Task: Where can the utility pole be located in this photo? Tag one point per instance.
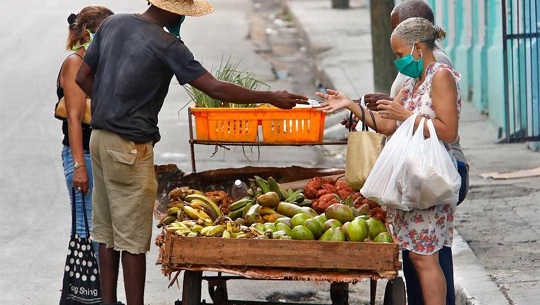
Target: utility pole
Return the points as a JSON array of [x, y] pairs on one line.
[[384, 70]]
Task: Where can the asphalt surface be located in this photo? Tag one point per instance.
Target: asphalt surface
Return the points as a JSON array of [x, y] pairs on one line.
[[496, 259]]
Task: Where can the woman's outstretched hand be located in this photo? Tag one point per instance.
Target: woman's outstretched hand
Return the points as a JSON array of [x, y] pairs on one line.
[[335, 100]]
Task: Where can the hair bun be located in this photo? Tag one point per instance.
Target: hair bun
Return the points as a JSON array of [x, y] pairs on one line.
[[71, 18]]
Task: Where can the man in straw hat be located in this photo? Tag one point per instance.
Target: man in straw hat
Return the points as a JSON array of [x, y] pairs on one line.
[[127, 72]]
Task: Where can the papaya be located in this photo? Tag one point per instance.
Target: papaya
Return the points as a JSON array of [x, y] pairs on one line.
[[299, 219], [301, 232], [269, 226], [339, 211], [331, 223], [384, 237], [315, 227], [321, 218], [287, 209], [259, 226], [357, 230], [309, 211], [280, 226], [268, 199], [281, 234], [333, 234], [375, 227], [338, 235], [285, 220]]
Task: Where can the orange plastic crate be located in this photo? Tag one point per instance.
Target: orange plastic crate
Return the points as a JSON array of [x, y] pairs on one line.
[[262, 124]]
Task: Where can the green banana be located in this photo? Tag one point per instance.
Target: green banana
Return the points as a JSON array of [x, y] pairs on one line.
[[239, 204], [295, 196], [236, 214], [252, 209], [166, 220], [263, 184], [206, 199], [275, 187], [246, 208], [305, 203]]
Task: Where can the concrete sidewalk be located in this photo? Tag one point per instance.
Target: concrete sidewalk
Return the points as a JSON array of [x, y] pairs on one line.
[[495, 259]]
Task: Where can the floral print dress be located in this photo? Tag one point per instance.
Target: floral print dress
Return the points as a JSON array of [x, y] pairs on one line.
[[424, 231]]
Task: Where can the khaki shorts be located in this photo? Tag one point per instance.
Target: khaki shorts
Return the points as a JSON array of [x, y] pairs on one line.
[[124, 192]]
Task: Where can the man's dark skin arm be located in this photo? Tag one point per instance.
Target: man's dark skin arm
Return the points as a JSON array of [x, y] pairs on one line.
[[85, 78], [235, 94]]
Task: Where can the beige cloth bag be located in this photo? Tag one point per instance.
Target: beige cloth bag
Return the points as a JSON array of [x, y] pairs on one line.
[[363, 149], [60, 111]]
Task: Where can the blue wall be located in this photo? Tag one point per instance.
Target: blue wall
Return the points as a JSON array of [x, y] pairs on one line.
[[474, 43]]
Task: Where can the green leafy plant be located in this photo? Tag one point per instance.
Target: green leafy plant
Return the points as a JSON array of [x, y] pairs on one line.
[[228, 72]]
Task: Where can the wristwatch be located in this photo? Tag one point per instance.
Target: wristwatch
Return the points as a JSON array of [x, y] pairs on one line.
[[78, 164]]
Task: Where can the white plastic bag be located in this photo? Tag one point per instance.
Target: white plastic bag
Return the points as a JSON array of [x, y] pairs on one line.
[[380, 185], [428, 176]]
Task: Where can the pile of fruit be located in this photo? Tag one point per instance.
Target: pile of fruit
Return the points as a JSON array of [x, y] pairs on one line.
[[325, 210]]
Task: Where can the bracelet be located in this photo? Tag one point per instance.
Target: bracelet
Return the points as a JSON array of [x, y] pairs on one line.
[[77, 165]]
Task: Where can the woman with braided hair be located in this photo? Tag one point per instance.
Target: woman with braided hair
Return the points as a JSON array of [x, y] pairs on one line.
[[75, 153], [432, 92]]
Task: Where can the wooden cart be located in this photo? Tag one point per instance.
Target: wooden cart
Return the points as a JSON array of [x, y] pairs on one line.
[[339, 263]]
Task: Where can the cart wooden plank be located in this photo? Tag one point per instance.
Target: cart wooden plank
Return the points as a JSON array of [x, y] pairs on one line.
[[297, 254]]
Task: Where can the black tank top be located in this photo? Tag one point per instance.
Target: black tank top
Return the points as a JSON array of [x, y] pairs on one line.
[[86, 129]]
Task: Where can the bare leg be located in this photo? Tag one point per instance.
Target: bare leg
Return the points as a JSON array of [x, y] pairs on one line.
[[109, 262], [134, 267], [431, 278]]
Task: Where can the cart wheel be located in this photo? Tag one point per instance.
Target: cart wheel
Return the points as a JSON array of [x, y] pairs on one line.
[[191, 289], [339, 293], [394, 294]]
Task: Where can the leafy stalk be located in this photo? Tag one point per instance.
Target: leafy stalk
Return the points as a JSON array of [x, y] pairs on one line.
[[228, 72]]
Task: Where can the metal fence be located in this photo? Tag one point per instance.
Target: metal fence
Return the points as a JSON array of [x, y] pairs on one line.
[[521, 53]]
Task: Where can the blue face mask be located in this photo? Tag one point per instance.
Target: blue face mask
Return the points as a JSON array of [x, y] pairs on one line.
[[410, 67], [175, 28]]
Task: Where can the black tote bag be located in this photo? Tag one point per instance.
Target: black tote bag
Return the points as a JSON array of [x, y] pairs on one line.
[[81, 284]]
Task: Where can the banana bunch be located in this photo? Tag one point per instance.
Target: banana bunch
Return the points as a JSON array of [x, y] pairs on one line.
[[221, 227], [287, 195], [190, 204], [179, 193], [201, 206], [263, 197]]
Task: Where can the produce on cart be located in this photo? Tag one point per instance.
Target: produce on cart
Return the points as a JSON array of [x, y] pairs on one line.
[[323, 231]]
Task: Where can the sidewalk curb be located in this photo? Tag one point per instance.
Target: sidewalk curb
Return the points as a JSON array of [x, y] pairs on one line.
[[472, 283]]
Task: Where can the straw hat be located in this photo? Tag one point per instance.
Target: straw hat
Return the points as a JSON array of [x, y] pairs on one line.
[[184, 7]]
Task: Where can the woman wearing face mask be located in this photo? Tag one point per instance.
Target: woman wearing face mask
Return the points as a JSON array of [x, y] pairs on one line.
[[432, 92], [75, 153]]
